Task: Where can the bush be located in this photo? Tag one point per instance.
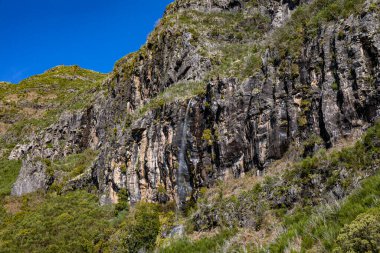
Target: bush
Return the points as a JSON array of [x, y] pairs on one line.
[[139, 230], [334, 86], [207, 136], [361, 235], [123, 204]]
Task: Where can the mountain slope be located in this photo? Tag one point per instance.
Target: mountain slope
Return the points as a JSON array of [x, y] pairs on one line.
[[223, 90], [37, 102]]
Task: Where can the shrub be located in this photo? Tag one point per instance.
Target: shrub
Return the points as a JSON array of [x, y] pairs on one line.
[[123, 204], [302, 121], [361, 235], [139, 230], [207, 136], [334, 86], [143, 231]]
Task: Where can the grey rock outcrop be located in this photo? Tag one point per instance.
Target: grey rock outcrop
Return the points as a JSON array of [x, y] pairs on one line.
[[72, 134], [32, 177]]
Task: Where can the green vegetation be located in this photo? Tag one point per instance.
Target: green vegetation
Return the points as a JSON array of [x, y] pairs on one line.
[[139, 230], [324, 224], [9, 171], [334, 86], [75, 164], [207, 136], [36, 102], [69, 223], [123, 204], [225, 26], [74, 222], [300, 198], [236, 60], [361, 235], [306, 20], [72, 165], [211, 244], [302, 201], [180, 91], [234, 37], [177, 92], [302, 121]]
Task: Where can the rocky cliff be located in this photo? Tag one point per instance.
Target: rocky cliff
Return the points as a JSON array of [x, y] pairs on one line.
[[221, 88]]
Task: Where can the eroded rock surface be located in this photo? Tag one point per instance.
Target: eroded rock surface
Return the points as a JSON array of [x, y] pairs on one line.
[[331, 92]]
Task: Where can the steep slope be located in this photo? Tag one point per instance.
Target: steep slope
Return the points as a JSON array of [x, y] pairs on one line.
[[319, 204], [222, 90], [316, 80], [37, 102]]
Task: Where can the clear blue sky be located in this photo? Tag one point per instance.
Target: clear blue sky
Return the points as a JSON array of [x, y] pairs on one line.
[[36, 35]]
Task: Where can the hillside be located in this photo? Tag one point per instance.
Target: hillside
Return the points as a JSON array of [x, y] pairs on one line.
[[240, 126], [37, 102]]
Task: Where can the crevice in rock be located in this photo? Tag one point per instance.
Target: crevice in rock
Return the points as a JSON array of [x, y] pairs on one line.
[[184, 72], [322, 127], [354, 82], [86, 126], [249, 157], [292, 4], [335, 68], [234, 5], [256, 149], [323, 66], [370, 52]]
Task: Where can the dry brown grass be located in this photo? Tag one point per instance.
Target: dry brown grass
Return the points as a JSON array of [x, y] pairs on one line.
[[14, 205], [4, 127], [48, 97], [31, 96], [250, 239], [232, 186], [11, 98], [33, 113], [197, 235]]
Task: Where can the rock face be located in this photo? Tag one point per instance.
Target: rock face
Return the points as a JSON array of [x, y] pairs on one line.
[[72, 134], [168, 151]]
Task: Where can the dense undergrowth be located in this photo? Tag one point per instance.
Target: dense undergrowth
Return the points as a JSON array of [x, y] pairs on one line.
[[69, 223], [74, 222]]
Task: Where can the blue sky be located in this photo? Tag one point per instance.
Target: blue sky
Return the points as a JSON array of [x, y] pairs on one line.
[[36, 35]]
